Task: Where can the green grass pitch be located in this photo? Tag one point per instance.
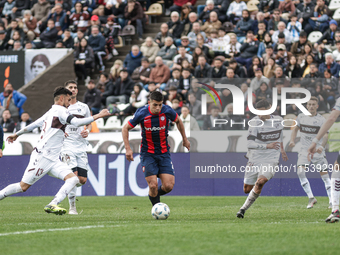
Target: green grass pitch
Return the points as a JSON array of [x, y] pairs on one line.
[[197, 225]]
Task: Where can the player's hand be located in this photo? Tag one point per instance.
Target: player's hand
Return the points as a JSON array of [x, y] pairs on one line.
[[284, 156], [311, 151], [291, 144], [84, 133], [129, 155], [274, 145], [104, 113], [319, 150], [0, 153], [186, 144], [12, 138], [66, 135]]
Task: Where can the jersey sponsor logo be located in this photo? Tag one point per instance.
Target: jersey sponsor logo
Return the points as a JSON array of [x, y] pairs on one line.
[[269, 136], [155, 128], [309, 129]]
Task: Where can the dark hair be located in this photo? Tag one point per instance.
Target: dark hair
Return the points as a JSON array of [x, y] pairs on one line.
[[328, 71], [106, 75], [215, 107], [314, 64], [41, 58], [262, 104], [61, 91], [303, 34], [232, 61], [314, 98], [69, 82], [156, 96], [250, 32]]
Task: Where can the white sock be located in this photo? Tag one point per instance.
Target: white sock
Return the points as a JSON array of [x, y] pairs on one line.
[[250, 200], [327, 182], [10, 190], [72, 197], [335, 193], [64, 190], [306, 187]]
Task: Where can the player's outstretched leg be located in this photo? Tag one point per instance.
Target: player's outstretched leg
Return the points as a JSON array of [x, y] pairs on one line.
[[153, 189], [72, 201], [168, 182], [335, 194], [306, 187], [327, 182], [71, 181], [253, 195], [13, 189]]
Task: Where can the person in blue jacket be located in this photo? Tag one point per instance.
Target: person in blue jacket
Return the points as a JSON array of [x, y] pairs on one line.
[[18, 98], [133, 59]]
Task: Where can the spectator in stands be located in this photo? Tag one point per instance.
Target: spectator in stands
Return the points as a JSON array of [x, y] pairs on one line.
[[19, 8], [196, 30], [336, 53], [233, 119], [7, 10], [294, 27], [243, 26], [330, 87], [97, 42], [182, 55], [238, 69], [213, 23], [264, 45], [40, 11], [15, 38], [115, 69], [83, 60], [3, 41], [25, 121], [279, 76], [134, 14], [106, 86], [281, 40], [13, 101], [68, 41], [14, 27], [95, 22], [218, 70], [80, 18], [286, 6], [189, 122], [164, 33], [209, 121], [60, 18], [329, 35], [330, 64], [269, 69], [175, 25], [168, 51], [235, 11], [111, 31], [194, 105], [80, 35], [177, 6], [141, 74], [256, 63], [233, 48], [138, 99], [159, 74], [293, 69], [174, 80], [312, 78], [48, 37], [319, 57], [259, 18], [133, 59], [298, 48], [281, 28], [263, 93], [17, 46], [248, 50], [7, 122], [231, 77], [149, 49], [319, 19], [269, 54], [274, 21], [65, 4], [203, 70], [269, 7], [187, 24], [184, 83], [258, 80], [92, 97], [304, 12], [282, 56], [306, 65], [205, 14], [30, 25]]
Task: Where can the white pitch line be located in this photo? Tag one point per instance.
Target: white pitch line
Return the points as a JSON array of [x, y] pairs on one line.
[[49, 230]]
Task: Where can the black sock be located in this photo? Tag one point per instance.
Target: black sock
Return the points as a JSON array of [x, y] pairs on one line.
[[154, 200], [161, 192]]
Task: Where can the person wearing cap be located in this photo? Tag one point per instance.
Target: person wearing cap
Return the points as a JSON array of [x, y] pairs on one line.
[[243, 26], [282, 56], [92, 97], [282, 29], [330, 35], [168, 51], [149, 49], [134, 14], [97, 42], [205, 14], [213, 23], [186, 44], [330, 64], [94, 22], [235, 11], [3, 41], [196, 29], [80, 18], [175, 25], [59, 16]]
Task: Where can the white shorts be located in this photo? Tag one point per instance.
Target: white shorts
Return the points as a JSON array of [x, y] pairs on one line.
[[75, 159], [254, 170], [319, 160], [40, 166]]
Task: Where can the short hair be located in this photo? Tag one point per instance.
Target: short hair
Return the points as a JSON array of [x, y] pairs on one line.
[[184, 69], [262, 104], [58, 91], [174, 13], [314, 99], [106, 75], [156, 96], [232, 61], [175, 100], [250, 32], [229, 68], [135, 46], [184, 106], [27, 12], [70, 82], [215, 107], [329, 54], [314, 64]]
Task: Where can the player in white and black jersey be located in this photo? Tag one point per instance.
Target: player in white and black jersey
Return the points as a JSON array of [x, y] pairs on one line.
[[74, 148], [45, 157], [264, 145], [335, 178], [309, 126]]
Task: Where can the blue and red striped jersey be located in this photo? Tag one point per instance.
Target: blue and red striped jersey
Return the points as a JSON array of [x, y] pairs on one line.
[[154, 128]]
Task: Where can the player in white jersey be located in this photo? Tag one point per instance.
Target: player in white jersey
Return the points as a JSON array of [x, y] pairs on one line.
[[335, 178], [45, 156], [74, 149], [265, 144], [309, 126]]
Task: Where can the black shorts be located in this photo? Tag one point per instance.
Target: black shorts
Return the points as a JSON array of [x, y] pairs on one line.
[[81, 171]]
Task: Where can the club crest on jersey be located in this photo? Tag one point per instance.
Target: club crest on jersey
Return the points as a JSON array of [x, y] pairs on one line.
[[162, 118], [143, 168], [79, 110]]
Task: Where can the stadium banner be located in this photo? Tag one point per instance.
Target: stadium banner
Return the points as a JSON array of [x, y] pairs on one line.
[[12, 66], [113, 175], [37, 61], [112, 142]]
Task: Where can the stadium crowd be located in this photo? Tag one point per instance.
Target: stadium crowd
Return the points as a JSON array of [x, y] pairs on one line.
[[258, 44]]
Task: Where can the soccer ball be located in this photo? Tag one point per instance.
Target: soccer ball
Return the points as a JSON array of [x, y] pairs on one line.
[[160, 211]]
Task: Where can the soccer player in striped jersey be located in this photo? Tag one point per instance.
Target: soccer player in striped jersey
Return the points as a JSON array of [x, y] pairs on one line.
[[335, 178], [265, 143], [154, 152], [309, 126]]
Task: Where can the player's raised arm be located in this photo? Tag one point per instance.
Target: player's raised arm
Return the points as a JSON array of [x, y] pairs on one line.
[[323, 144], [86, 121], [181, 129], [125, 134]]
